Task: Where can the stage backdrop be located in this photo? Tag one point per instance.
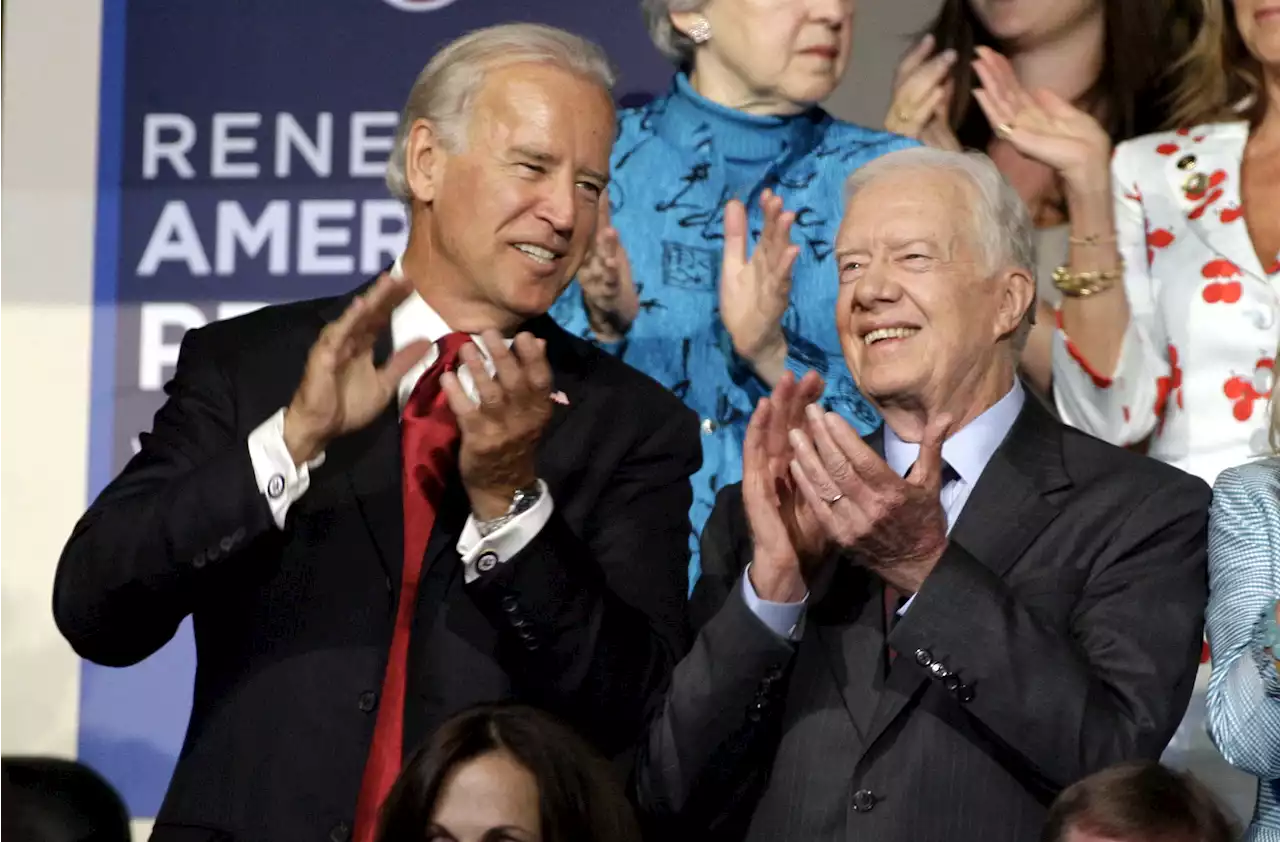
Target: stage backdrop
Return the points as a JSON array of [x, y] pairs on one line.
[[242, 149]]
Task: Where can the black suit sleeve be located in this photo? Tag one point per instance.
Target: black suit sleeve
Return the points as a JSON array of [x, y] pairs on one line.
[[591, 626], [1115, 685], [179, 513], [711, 743]]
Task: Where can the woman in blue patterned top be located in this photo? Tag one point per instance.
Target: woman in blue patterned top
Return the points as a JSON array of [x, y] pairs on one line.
[[708, 318]]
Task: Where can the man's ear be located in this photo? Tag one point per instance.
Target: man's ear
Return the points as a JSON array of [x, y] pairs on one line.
[[424, 160], [1016, 295]]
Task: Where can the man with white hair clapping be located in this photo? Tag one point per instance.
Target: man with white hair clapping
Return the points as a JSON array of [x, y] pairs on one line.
[[382, 508], [926, 634]]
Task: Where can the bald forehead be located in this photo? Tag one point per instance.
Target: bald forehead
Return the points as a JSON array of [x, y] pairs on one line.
[[937, 184], [545, 113], [540, 80], [902, 206]]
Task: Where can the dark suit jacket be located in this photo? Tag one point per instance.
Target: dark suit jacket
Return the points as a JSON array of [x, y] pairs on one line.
[[1066, 618], [293, 626]]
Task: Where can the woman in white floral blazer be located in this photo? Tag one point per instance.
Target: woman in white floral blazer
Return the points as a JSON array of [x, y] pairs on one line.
[[1171, 292]]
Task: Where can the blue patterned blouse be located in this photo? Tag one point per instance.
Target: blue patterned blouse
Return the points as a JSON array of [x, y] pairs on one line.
[[676, 162]]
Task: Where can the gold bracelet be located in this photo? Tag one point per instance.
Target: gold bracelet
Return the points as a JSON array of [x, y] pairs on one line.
[[1084, 284], [1092, 239]]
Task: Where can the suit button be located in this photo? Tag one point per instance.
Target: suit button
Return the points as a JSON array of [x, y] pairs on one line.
[[510, 605], [198, 561], [226, 544], [864, 801], [923, 658], [951, 682], [531, 645], [964, 693], [340, 832], [368, 701], [939, 669]]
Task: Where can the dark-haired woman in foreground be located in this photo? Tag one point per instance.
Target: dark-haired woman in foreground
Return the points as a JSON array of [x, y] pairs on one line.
[[506, 773]]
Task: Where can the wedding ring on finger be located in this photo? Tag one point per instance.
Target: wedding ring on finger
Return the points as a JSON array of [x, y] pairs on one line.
[[1003, 130], [903, 115], [834, 500]]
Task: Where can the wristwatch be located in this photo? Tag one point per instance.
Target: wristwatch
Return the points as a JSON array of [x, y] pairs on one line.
[[521, 502]]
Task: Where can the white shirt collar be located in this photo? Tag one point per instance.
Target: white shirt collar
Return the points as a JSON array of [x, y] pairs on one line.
[[415, 319], [970, 448]]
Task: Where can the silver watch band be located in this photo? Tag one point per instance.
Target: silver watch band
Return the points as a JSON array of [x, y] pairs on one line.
[[522, 501]]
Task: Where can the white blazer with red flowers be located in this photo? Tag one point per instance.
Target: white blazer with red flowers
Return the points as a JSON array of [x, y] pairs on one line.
[[1195, 369]]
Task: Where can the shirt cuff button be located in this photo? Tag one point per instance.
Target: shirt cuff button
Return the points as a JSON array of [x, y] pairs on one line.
[[275, 486], [487, 562]]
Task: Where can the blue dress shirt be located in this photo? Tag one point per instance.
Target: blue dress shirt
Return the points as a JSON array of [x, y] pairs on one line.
[[676, 162]]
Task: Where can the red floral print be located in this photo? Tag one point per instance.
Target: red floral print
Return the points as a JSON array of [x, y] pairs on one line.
[[1244, 394], [1166, 387], [1157, 239], [1228, 293], [1098, 380]]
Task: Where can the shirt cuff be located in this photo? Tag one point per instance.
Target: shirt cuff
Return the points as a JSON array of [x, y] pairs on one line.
[[279, 480], [785, 619], [481, 553]]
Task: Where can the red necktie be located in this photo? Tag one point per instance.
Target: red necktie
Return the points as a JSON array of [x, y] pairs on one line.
[[428, 433]]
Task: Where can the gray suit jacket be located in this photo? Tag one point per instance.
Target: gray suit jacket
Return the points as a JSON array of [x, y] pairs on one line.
[[1058, 635]]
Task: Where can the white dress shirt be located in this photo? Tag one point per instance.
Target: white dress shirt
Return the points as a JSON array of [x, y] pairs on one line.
[[967, 451], [284, 483]]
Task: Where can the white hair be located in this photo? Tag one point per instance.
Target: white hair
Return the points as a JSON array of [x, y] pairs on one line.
[[444, 89], [670, 41], [1001, 224]]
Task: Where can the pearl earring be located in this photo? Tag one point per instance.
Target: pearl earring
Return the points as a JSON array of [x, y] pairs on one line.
[[700, 32]]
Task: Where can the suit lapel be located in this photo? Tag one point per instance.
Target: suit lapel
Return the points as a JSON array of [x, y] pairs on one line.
[[849, 627], [566, 373], [1204, 177], [1009, 507], [370, 461], [848, 621]]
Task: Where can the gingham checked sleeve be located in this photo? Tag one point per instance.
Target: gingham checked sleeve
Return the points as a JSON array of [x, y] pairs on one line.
[[1244, 583]]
